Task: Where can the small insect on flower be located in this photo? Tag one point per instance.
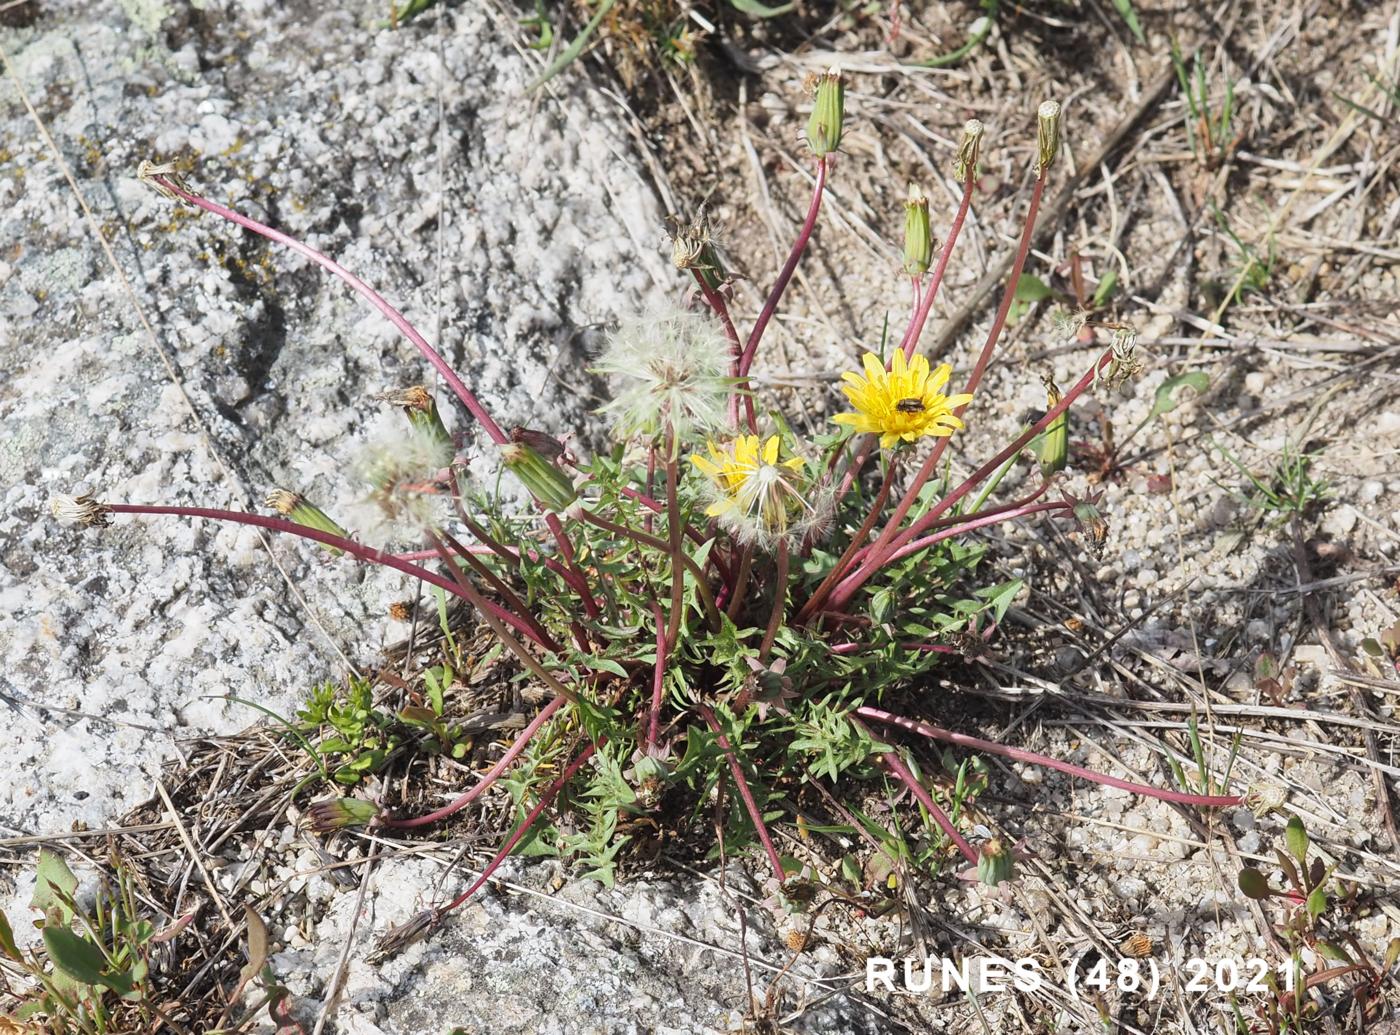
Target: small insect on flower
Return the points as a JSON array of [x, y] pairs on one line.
[[904, 403], [759, 497]]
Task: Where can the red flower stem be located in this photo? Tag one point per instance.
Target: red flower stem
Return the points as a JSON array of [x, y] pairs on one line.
[[916, 326], [707, 598], [750, 805], [360, 552], [716, 302], [1008, 296], [375, 299], [780, 591], [566, 550], [673, 531], [877, 505], [546, 799], [785, 275], [695, 537], [1017, 754], [853, 647], [492, 775], [741, 583], [896, 765], [658, 679], [513, 603]]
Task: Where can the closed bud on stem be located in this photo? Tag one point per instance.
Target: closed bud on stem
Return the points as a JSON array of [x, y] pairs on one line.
[[548, 484], [1053, 442], [918, 242], [157, 177], [994, 863], [293, 507], [828, 111], [420, 408], [339, 813], [1048, 138], [969, 150]]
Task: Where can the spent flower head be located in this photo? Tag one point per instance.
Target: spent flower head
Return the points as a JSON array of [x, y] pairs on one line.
[[759, 495], [80, 510], [904, 403], [406, 470], [672, 369]]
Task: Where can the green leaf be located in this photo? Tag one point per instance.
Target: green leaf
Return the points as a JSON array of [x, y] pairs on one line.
[[1254, 884], [1329, 951], [1165, 400], [77, 957], [1125, 10], [7, 939], [759, 10], [53, 884], [1032, 289], [1297, 839], [1104, 291], [1317, 902]]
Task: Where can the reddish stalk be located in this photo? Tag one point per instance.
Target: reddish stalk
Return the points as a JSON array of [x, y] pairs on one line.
[[1008, 296], [877, 505], [780, 587], [551, 792], [912, 334], [749, 804], [491, 776], [658, 679], [962, 740], [716, 302], [513, 602], [374, 298], [580, 580], [896, 765], [785, 275], [674, 548], [360, 552], [707, 598], [980, 521], [873, 562]]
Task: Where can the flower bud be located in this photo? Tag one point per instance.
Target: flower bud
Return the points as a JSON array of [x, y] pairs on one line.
[[969, 150], [338, 813], [161, 178], [420, 408], [918, 242], [548, 484], [1053, 448], [828, 110], [293, 507], [994, 863], [1048, 137]]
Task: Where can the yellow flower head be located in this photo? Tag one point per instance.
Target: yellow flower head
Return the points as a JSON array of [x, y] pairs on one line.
[[904, 403], [757, 496]]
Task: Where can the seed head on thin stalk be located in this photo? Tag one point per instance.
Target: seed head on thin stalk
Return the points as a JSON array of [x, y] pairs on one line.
[[1048, 135], [404, 470], [693, 248], [671, 368]]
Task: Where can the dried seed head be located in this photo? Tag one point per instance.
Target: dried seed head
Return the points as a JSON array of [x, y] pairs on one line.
[[693, 248], [828, 113], [969, 150], [151, 174], [420, 408], [1048, 137], [918, 241], [80, 510], [401, 610]]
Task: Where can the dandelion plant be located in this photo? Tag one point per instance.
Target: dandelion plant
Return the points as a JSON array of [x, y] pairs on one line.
[[718, 608]]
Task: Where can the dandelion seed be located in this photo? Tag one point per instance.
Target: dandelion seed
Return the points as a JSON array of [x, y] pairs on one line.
[[673, 370], [759, 497], [405, 470], [904, 403]]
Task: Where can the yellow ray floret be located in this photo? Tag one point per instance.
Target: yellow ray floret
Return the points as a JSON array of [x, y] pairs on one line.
[[904, 403], [757, 494]]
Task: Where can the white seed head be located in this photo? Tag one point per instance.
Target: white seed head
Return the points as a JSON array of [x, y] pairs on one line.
[[404, 469], [670, 367]]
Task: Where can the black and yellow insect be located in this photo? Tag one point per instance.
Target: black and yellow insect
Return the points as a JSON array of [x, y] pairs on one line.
[[910, 405]]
